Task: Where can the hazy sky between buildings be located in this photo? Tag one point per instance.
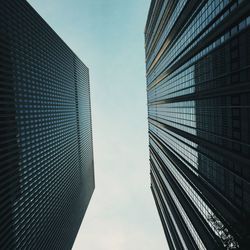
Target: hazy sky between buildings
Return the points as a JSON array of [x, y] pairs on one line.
[[108, 36]]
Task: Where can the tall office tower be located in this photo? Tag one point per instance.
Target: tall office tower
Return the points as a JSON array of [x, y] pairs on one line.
[[46, 158], [198, 73]]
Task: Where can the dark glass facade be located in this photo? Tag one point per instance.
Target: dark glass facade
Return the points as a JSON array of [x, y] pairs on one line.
[[46, 155], [198, 89]]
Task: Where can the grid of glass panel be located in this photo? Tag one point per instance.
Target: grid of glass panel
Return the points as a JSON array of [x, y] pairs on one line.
[[198, 108], [54, 136]]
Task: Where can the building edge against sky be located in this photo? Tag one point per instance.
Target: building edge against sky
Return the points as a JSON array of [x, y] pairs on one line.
[[46, 151], [198, 90]]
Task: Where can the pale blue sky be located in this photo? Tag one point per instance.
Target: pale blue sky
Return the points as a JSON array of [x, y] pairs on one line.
[[108, 36]]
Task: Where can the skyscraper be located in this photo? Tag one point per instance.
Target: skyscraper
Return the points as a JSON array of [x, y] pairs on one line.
[[46, 155], [198, 89]]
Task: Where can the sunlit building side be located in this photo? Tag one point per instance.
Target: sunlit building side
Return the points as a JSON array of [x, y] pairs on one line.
[[198, 90]]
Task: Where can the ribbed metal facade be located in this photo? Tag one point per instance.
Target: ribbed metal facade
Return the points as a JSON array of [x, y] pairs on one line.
[[46, 155], [198, 89]]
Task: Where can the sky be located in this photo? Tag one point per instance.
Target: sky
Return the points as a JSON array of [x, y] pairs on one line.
[[108, 36]]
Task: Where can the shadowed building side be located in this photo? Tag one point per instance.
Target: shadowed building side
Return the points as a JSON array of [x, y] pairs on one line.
[[9, 150], [47, 172]]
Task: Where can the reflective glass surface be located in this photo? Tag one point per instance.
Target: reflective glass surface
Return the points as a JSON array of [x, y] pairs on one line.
[[198, 73]]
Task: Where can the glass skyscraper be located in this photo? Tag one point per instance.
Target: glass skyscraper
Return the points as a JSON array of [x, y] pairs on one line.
[[198, 89], [46, 155]]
